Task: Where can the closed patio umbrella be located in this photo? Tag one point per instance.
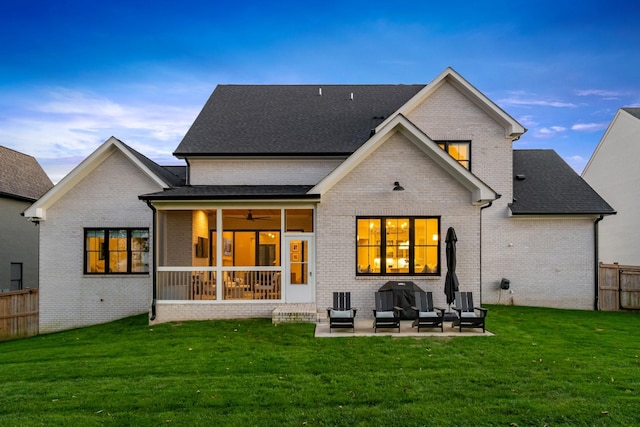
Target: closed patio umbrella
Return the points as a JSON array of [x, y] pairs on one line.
[[451, 281]]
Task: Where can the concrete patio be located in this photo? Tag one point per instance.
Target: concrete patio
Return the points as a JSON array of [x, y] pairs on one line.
[[364, 328]]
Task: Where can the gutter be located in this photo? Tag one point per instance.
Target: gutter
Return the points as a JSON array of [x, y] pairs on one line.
[[154, 263], [187, 177], [596, 260]]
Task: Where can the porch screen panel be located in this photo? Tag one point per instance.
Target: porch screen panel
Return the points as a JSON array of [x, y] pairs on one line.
[[244, 248], [299, 220], [269, 248], [368, 246]]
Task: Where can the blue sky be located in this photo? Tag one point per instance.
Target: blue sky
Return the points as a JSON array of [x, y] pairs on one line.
[[73, 73]]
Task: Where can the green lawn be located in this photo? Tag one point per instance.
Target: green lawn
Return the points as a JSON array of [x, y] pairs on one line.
[[542, 367]]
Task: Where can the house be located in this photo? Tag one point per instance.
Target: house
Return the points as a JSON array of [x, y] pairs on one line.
[[613, 172], [292, 192], [22, 182]]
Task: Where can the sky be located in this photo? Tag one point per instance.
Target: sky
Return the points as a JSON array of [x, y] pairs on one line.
[[75, 72]]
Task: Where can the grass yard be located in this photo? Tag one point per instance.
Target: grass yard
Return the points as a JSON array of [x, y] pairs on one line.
[[542, 367]]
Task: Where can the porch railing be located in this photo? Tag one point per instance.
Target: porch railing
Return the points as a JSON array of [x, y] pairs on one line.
[[196, 284]]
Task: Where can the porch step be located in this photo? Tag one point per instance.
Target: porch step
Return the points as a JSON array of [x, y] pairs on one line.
[[295, 313]]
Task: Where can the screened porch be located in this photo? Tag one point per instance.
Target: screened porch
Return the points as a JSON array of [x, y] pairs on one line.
[[231, 254]]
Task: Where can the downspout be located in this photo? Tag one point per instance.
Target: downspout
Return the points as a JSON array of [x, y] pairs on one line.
[[481, 209], [187, 178], [154, 263], [596, 260]]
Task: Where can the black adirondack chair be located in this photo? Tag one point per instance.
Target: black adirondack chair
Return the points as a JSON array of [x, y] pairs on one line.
[[341, 315], [428, 316], [468, 315], [385, 315]]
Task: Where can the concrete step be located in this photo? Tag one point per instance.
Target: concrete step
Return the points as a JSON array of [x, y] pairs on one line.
[[295, 313]]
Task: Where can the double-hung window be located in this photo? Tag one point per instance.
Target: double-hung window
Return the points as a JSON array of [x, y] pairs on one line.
[[459, 150], [116, 250], [398, 246]]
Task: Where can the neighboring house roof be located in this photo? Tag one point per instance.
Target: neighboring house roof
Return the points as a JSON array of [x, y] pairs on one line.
[[233, 192], [635, 112], [544, 184], [162, 176], [21, 176], [621, 115], [272, 120]]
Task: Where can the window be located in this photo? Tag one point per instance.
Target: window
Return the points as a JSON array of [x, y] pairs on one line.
[[398, 245], [16, 276], [116, 251], [459, 150]]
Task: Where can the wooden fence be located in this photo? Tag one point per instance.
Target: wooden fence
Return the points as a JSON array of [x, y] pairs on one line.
[[19, 312], [619, 287]]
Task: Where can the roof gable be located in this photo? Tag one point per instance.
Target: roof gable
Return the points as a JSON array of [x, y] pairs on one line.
[[21, 176], [622, 115], [276, 120], [480, 192], [544, 184], [156, 173], [513, 129]]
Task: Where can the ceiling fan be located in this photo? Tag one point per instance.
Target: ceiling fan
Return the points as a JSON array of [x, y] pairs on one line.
[[250, 217]]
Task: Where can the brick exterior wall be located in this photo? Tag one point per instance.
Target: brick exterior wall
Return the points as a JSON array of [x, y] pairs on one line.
[[260, 171], [367, 190], [542, 273], [196, 310], [107, 197], [550, 262]]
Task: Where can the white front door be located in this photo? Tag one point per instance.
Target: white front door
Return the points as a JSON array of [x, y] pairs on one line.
[[299, 277]]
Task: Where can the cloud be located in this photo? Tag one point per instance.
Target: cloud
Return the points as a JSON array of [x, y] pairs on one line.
[[536, 102], [589, 127], [607, 94], [527, 121], [549, 132], [576, 162], [65, 125]]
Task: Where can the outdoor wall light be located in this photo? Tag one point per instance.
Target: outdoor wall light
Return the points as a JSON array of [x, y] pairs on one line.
[[397, 186]]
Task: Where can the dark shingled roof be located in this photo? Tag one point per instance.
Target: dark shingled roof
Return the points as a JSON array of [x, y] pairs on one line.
[[21, 176], [233, 192], [633, 111], [291, 119], [544, 184], [173, 175]]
